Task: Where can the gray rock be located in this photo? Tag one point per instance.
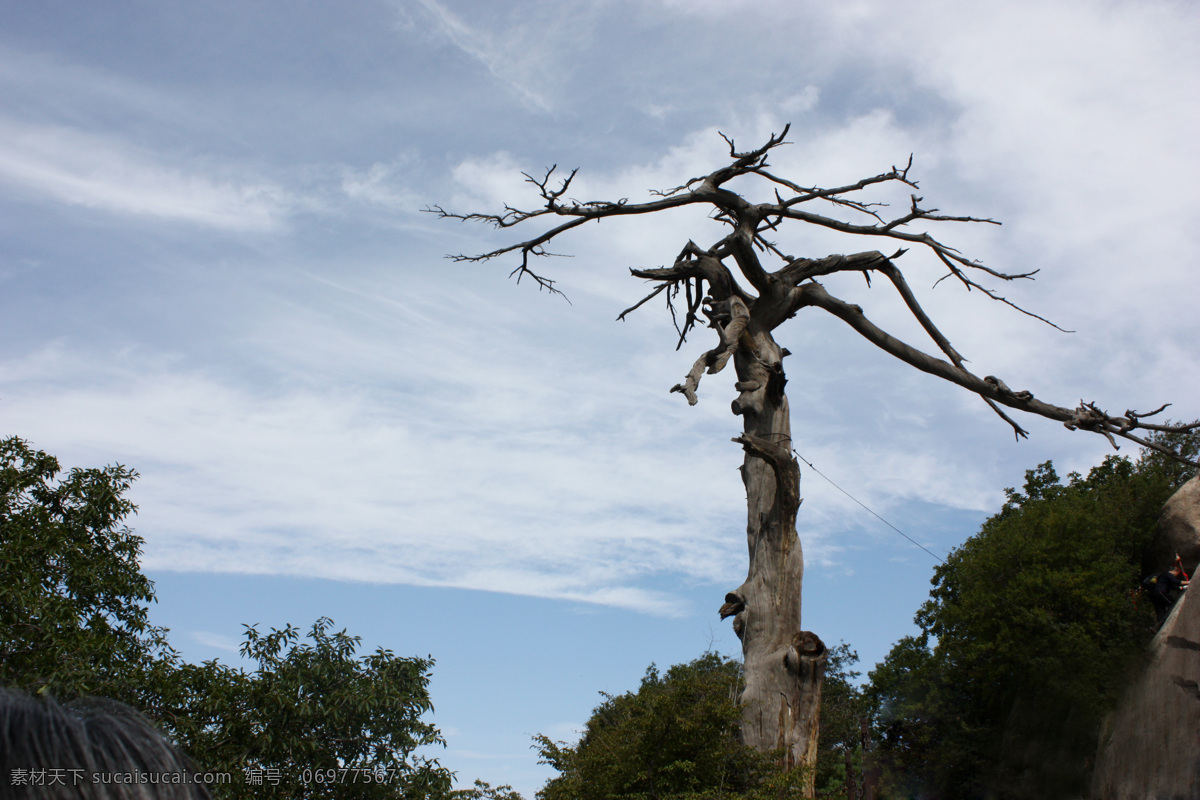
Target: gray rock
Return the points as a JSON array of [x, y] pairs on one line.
[[1178, 531], [1150, 748]]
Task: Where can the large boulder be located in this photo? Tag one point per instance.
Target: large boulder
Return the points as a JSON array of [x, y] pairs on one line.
[[1150, 749], [1178, 531]]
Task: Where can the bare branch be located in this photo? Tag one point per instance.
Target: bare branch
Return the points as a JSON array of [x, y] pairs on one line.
[[743, 163], [897, 278], [643, 301], [1087, 416], [706, 277], [804, 194]]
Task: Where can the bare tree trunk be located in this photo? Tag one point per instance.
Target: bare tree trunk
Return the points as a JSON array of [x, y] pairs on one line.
[[784, 664]]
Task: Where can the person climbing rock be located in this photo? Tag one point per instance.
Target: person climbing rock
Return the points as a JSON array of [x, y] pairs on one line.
[[1164, 589]]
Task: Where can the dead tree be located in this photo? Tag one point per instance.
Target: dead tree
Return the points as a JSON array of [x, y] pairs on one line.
[[728, 285]]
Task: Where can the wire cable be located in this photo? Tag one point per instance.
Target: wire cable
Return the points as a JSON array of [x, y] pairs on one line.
[[1042, 620], [868, 508]]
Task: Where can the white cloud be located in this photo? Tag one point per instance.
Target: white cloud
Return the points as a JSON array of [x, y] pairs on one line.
[[217, 641], [382, 185], [408, 424], [104, 173], [804, 101], [487, 485], [1063, 211], [492, 181]]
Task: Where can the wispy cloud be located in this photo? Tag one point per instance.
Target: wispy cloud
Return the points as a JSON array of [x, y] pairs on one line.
[[413, 428], [104, 173], [216, 640], [523, 57], [358, 483], [382, 185]]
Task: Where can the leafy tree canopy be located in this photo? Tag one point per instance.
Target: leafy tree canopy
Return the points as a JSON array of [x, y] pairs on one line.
[[843, 709], [73, 601], [311, 719], [676, 736], [1030, 634]]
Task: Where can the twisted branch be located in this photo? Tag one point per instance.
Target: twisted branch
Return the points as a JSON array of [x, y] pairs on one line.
[[709, 277]]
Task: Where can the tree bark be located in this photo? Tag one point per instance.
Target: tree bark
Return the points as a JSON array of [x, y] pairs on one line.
[[784, 664]]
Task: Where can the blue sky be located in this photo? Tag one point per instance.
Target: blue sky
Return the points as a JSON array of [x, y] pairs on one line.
[[215, 269]]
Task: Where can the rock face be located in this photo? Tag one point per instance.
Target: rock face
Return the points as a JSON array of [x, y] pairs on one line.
[[1178, 531], [1150, 749]]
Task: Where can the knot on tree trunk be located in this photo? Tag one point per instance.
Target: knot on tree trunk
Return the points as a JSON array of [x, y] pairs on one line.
[[1002, 387], [754, 393], [806, 656], [787, 471]]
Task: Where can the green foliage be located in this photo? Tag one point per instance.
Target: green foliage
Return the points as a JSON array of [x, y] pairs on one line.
[[310, 720], [901, 693], [843, 708], [73, 617], [482, 790], [675, 737], [1030, 635]]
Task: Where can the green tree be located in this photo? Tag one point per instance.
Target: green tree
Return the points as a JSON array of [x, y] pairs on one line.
[[843, 708], [310, 720], [482, 790], [1034, 635], [901, 695], [73, 601], [675, 737]]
